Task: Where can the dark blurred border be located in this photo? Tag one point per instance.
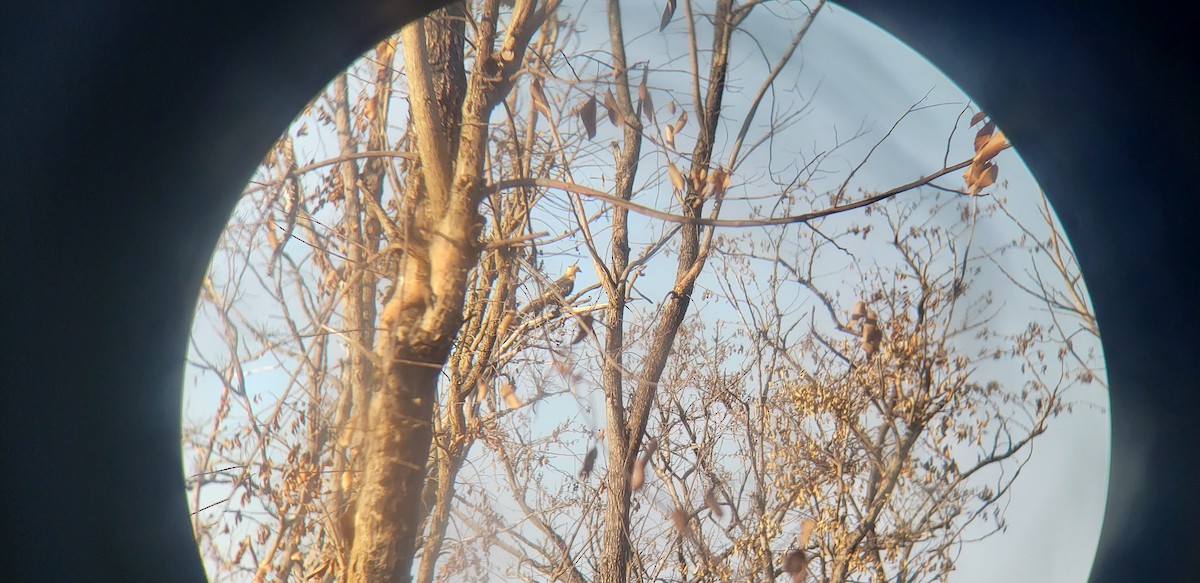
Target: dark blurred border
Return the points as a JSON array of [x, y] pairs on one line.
[[129, 127]]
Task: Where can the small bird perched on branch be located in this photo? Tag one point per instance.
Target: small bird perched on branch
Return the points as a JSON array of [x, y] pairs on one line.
[[554, 295]]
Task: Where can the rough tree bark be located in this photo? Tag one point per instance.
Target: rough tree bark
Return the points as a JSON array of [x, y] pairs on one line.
[[627, 426], [442, 225]]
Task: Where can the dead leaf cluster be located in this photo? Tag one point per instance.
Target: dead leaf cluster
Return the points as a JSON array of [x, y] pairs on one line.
[[988, 142], [867, 322]]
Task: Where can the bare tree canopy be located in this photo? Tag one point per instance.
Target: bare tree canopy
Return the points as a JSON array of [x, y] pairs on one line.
[[540, 290]]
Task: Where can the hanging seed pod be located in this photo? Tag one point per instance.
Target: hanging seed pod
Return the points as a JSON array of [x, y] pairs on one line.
[[859, 310], [677, 181], [682, 121], [669, 136]]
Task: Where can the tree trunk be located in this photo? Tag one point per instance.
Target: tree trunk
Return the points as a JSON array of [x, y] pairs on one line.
[[421, 320], [627, 426], [397, 447]]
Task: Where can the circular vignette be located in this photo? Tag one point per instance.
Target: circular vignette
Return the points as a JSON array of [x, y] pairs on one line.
[[1096, 132]]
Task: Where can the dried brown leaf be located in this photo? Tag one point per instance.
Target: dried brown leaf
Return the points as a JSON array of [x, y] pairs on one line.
[[610, 107], [669, 136], [984, 134], [671, 107], [668, 12], [645, 102], [588, 114], [970, 174], [994, 145], [978, 117], [985, 178]]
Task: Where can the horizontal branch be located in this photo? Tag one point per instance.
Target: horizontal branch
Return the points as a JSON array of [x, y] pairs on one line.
[[330, 162], [354, 156], [673, 218]]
